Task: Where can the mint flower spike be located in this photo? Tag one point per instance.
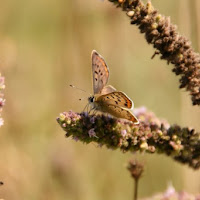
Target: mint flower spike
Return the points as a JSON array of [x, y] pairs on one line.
[[164, 37], [152, 135], [2, 100]]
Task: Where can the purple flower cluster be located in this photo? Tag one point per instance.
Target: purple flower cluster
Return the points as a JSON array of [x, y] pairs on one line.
[[152, 135], [164, 37], [172, 194], [2, 100]]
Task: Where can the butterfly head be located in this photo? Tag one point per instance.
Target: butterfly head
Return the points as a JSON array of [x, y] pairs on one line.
[[91, 99]]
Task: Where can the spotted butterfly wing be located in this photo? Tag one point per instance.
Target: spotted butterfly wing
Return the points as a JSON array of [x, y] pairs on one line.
[[119, 112], [118, 105], [117, 99], [100, 72]]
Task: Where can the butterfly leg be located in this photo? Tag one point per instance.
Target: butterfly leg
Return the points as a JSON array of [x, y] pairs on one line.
[[94, 111], [91, 109], [86, 107]]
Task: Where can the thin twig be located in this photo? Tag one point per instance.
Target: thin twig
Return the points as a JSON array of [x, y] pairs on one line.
[[135, 189]]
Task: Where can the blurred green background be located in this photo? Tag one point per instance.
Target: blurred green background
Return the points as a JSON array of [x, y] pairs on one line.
[[44, 47]]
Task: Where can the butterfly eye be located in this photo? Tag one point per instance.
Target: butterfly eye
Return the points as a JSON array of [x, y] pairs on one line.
[[91, 99]]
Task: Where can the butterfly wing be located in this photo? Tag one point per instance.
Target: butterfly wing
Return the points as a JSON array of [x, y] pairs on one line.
[[120, 113], [117, 99], [100, 72], [107, 89]]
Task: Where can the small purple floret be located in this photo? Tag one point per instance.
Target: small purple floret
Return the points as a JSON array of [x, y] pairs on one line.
[[92, 133]]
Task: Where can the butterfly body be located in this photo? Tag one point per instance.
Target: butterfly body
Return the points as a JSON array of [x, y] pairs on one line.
[[106, 98]]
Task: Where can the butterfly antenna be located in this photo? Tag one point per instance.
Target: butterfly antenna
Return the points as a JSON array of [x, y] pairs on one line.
[[81, 99], [73, 86]]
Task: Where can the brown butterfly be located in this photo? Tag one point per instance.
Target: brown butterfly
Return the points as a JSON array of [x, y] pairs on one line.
[[106, 98]]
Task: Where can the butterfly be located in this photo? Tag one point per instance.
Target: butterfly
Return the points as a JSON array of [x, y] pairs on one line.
[[106, 98]]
